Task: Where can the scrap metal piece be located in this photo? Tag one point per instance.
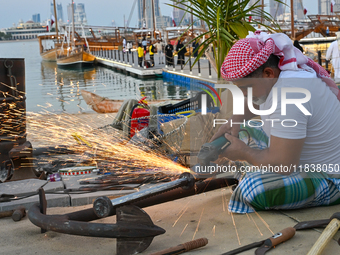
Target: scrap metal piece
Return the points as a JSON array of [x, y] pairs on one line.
[[22, 159], [103, 208], [42, 205]]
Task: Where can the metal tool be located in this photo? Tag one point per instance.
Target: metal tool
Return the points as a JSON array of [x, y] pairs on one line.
[[266, 244], [22, 162], [326, 235], [210, 152], [104, 207], [316, 223], [188, 246]]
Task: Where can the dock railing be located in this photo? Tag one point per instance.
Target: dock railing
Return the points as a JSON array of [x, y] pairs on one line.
[[201, 68]]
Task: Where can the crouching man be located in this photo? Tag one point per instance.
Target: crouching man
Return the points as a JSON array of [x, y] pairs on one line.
[[298, 155]]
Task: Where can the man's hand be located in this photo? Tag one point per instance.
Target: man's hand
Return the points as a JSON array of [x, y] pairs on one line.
[[236, 150], [282, 152], [226, 129]]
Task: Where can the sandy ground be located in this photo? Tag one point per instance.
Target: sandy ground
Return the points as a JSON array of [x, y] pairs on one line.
[[203, 215]]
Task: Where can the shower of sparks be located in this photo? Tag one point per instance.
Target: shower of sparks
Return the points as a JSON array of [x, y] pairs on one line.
[[222, 200], [265, 223], [255, 224], [109, 148], [198, 224], [238, 238], [181, 213], [184, 229], [226, 201]]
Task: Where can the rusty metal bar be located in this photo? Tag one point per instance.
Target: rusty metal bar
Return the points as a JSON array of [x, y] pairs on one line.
[[178, 193], [103, 206]]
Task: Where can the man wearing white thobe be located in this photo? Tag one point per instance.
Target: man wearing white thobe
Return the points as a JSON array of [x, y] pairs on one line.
[[333, 53]]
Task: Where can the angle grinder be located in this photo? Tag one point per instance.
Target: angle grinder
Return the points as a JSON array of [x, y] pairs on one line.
[[208, 153]]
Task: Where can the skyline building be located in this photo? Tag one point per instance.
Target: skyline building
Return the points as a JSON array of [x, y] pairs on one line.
[[281, 12], [276, 10], [180, 16], [59, 10], [79, 14], [146, 18], [324, 7], [69, 12], [36, 18], [60, 14]]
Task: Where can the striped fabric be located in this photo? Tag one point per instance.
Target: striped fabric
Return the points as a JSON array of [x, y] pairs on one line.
[[263, 191]]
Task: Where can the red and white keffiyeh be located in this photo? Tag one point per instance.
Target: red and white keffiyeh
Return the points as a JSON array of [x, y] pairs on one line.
[[250, 53]]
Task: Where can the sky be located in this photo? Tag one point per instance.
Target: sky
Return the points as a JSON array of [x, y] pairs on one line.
[[98, 12]]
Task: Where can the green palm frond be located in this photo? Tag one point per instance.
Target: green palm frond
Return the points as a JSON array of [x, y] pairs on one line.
[[227, 22]]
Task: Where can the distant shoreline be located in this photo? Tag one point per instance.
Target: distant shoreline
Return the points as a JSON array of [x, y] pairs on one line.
[[23, 40]]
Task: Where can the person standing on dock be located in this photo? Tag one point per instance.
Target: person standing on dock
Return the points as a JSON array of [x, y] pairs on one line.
[[124, 44], [140, 52], [169, 59], [144, 44], [333, 53], [159, 48], [195, 46], [129, 47], [151, 53], [181, 50]]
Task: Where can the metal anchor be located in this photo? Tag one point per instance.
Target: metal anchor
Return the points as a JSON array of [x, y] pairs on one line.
[[12, 78], [134, 229]]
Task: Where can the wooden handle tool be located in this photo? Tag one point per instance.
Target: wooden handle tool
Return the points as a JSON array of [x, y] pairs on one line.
[[188, 246], [325, 237]]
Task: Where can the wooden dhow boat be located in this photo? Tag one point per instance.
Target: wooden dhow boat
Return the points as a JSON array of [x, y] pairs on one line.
[[47, 46], [77, 54], [76, 57], [104, 105], [101, 104]]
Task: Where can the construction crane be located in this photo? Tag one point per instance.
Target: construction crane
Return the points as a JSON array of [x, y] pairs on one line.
[[131, 12]]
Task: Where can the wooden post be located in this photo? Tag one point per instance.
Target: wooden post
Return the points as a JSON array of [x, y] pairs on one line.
[[262, 7], [72, 24], [153, 20], [56, 20], [292, 19]]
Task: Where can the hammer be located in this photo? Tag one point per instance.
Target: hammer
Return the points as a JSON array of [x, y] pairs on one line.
[[17, 214], [326, 235]]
